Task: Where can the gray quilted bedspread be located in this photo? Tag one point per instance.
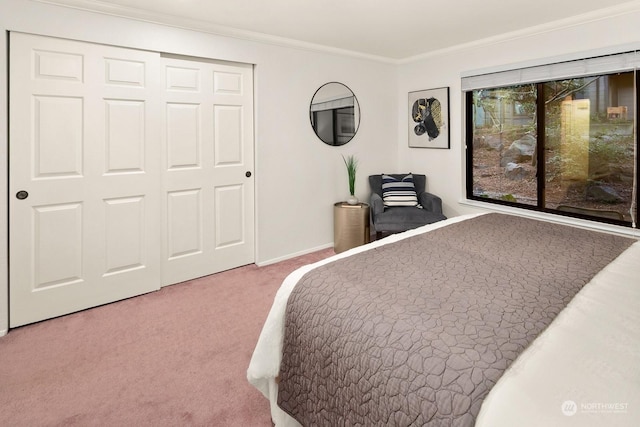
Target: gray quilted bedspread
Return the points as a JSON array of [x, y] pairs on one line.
[[417, 332]]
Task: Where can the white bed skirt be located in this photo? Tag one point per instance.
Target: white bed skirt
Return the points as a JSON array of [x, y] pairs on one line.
[[583, 370]]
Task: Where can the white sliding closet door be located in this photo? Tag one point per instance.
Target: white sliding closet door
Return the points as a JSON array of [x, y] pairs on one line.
[[84, 160], [127, 171], [208, 209]]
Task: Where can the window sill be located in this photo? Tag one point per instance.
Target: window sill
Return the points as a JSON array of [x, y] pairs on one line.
[[559, 219]]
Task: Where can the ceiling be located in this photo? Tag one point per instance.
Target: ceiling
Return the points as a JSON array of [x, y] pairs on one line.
[[387, 29]]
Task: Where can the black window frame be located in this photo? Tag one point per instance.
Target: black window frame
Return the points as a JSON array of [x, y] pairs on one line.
[[540, 167]]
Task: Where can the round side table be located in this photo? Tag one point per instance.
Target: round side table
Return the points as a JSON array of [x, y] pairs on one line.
[[350, 225]]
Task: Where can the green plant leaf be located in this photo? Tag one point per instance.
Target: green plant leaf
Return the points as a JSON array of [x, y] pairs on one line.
[[352, 167]]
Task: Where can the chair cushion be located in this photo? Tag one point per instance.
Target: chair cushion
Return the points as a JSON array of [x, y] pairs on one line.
[[399, 192], [404, 218]]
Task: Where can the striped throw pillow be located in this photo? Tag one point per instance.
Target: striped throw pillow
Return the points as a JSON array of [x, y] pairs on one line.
[[397, 192]]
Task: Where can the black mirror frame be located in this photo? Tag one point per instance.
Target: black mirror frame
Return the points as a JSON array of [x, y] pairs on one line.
[[341, 135]]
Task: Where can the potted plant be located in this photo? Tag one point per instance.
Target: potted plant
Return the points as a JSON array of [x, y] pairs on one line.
[[352, 167]]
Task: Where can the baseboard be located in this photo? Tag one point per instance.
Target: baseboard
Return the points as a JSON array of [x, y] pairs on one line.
[[3, 332], [294, 255]]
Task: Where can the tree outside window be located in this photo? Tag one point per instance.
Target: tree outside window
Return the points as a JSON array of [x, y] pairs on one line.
[[564, 146]]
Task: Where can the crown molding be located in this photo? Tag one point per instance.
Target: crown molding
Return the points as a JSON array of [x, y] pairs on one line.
[[573, 21], [97, 6]]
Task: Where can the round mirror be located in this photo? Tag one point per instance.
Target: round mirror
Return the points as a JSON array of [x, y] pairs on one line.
[[334, 114]]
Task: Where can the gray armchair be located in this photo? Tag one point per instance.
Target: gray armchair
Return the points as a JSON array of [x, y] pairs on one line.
[[401, 218]]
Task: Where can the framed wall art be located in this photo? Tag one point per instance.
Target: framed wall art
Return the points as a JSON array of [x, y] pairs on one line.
[[429, 118]]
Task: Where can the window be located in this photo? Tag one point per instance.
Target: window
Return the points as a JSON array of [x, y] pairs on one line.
[[564, 145]]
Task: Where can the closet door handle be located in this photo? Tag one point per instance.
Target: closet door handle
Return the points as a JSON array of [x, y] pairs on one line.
[[247, 174], [21, 195]]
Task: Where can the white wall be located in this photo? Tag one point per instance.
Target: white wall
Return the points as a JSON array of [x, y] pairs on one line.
[[445, 168], [298, 178]]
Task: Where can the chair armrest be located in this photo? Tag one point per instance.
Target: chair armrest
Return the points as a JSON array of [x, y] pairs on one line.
[[376, 204], [430, 202]]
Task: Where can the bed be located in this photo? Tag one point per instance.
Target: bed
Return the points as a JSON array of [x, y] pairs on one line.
[[487, 320]]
